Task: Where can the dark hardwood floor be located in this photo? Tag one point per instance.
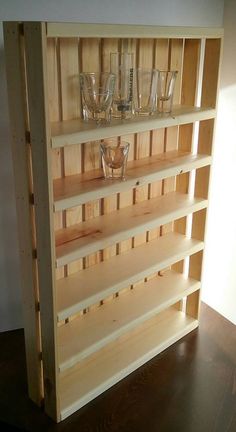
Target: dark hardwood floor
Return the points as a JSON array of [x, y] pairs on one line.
[[190, 387]]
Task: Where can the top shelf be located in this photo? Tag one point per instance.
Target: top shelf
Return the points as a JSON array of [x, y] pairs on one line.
[[129, 31], [77, 131]]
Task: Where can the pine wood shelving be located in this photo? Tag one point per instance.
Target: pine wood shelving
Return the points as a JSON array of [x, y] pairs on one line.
[[111, 271]]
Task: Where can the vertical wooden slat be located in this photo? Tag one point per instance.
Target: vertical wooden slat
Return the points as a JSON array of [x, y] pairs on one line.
[[127, 198], [145, 60], [108, 204], [161, 52], [70, 108], [55, 115], [172, 133], [188, 97], [90, 58], [13, 43], [36, 62]]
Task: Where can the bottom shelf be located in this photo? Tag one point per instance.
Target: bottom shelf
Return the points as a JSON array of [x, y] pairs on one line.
[[93, 376]]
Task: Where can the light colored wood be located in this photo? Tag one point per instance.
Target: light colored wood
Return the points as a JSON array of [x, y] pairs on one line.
[[70, 109], [161, 53], [78, 189], [91, 62], [54, 100], [210, 86], [108, 204], [172, 133], [35, 46], [110, 276], [77, 131], [189, 90], [145, 55], [20, 155], [129, 31], [93, 331], [108, 329], [120, 358], [88, 237]]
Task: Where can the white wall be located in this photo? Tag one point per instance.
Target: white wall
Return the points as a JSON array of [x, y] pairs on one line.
[[155, 12], [219, 289]]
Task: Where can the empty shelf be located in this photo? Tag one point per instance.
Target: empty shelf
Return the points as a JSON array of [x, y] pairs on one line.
[[88, 333], [87, 237], [103, 369], [89, 286]]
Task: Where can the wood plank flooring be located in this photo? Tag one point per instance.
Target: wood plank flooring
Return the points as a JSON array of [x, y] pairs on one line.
[[190, 387]]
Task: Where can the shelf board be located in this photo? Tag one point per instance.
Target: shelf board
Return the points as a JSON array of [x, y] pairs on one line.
[[129, 31], [88, 379], [78, 189], [78, 131], [83, 239], [92, 331], [86, 287]]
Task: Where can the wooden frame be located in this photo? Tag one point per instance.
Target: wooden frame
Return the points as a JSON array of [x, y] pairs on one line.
[[111, 272]]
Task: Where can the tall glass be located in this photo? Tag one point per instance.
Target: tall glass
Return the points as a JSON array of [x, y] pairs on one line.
[[165, 90], [145, 91], [97, 91], [121, 64]]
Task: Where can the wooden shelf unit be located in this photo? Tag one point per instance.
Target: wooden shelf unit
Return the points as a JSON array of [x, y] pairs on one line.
[[111, 270]]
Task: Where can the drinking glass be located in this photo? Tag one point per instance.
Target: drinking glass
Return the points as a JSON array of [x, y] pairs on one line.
[[121, 64], [114, 158], [97, 90], [145, 91], [165, 90]]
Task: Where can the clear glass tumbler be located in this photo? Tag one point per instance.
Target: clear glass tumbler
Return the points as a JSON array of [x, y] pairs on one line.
[[165, 90], [145, 91], [114, 158], [97, 91], [121, 64]]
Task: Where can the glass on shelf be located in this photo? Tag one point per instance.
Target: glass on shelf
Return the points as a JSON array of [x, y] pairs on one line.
[[121, 64], [114, 158], [97, 89], [165, 90]]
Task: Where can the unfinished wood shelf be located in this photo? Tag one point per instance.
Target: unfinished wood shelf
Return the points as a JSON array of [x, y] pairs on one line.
[[74, 190], [114, 267], [108, 277], [122, 357], [90, 332], [78, 131]]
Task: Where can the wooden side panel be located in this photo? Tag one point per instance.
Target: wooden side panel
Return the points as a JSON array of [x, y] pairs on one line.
[[13, 43], [205, 142], [36, 61]]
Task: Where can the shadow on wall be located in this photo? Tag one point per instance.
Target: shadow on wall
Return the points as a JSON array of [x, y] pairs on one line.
[[10, 295]]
